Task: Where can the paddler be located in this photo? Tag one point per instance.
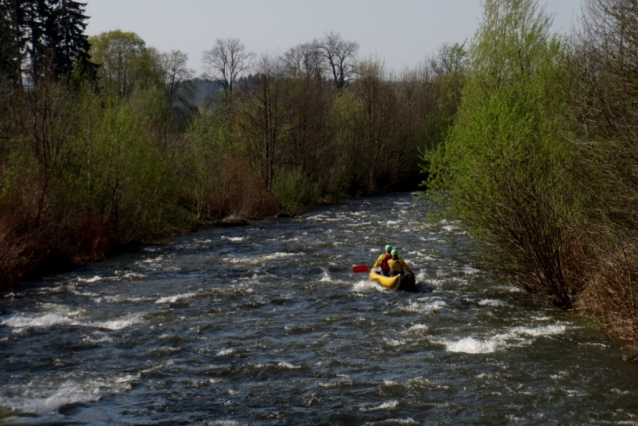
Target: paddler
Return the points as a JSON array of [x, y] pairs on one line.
[[398, 265], [382, 261]]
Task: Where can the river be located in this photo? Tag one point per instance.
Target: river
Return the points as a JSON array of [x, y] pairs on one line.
[[267, 325]]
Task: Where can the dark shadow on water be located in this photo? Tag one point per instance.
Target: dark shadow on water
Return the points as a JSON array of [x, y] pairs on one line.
[[424, 288]]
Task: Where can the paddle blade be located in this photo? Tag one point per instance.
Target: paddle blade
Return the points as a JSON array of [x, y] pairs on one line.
[[359, 269]]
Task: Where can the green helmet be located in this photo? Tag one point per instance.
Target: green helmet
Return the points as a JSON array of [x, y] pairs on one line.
[[395, 252], [388, 248]]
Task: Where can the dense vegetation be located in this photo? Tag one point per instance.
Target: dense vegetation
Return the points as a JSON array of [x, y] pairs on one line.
[[530, 138], [541, 159], [106, 141]]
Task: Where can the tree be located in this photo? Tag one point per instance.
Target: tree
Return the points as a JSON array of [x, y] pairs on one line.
[[66, 36], [262, 118], [11, 40], [370, 124], [340, 56], [176, 72], [125, 62], [503, 164], [43, 38], [225, 62], [304, 60]]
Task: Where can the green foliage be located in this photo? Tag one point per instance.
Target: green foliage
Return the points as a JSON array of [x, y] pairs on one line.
[[295, 191], [125, 63], [503, 164], [125, 177]]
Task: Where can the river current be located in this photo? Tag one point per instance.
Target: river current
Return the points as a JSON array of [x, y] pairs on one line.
[[267, 325]]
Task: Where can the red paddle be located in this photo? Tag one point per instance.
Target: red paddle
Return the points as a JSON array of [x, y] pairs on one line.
[[359, 269]]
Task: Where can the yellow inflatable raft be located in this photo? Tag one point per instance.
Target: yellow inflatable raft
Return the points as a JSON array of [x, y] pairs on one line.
[[388, 282]]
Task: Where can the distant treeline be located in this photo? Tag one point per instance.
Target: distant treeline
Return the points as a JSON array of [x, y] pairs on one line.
[[105, 141]]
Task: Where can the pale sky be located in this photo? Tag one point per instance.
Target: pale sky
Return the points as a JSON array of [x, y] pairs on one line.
[[399, 32]]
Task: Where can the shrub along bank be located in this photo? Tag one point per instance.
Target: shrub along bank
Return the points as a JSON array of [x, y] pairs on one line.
[[541, 160]]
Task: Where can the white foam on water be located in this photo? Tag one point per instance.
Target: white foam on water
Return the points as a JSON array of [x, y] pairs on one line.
[[233, 239], [226, 423], [468, 270], [366, 286], [559, 375], [226, 351], [432, 281], [256, 260], [133, 276], [153, 368], [163, 350], [424, 305], [326, 278], [425, 257], [491, 302], [344, 382], [388, 405], [417, 328], [548, 330], [22, 322], [117, 324], [82, 293], [473, 346], [93, 341], [173, 299], [395, 342], [121, 299], [316, 217], [96, 278], [514, 337], [421, 276], [44, 396], [288, 366], [406, 421]]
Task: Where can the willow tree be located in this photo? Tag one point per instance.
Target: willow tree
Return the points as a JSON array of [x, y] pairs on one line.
[[503, 163]]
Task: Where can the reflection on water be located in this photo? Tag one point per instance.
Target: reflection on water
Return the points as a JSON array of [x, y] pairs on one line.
[[266, 324]]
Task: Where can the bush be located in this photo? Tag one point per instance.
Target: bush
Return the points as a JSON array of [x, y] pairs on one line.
[[503, 163], [294, 191]]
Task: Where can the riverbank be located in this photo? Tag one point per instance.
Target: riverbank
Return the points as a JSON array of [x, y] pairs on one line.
[[39, 252]]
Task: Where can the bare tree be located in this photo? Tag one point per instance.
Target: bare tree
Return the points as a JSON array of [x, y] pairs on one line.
[[176, 70], [304, 59], [225, 62], [340, 56], [262, 118]]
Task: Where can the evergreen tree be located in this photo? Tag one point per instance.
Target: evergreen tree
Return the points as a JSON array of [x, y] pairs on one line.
[[70, 44], [43, 37], [13, 39]]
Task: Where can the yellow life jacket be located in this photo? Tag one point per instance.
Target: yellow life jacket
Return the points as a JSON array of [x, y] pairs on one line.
[[396, 265]]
